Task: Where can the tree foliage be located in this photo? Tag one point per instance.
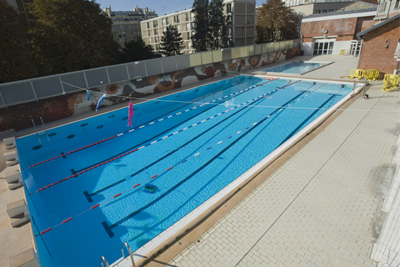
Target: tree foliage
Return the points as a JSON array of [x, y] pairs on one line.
[[171, 42], [276, 22], [218, 36], [70, 35], [15, 60], [135, 51], [201, 25]]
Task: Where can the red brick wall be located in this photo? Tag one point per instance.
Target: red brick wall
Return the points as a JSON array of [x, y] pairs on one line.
[[342, 27], [374, 54]]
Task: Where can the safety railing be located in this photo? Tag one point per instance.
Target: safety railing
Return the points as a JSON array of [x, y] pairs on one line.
[[130, 253], [19, 92]]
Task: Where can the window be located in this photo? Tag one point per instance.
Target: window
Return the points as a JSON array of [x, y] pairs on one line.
[[155, 23], [148, 25], [323, 47], [229, 8], [155, 32], [397, 4], [166, 21], [382, 6], [163, 21], [192, 25], [148, 33], [187, 16]]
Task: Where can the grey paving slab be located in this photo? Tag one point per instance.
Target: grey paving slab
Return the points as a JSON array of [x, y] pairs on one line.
[[319, 208]]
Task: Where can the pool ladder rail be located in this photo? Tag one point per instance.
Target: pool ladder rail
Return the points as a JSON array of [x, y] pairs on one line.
[[103, 259], [42, 132]]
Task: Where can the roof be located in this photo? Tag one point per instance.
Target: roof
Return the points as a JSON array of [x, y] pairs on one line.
[[360, 34], [342, 12]]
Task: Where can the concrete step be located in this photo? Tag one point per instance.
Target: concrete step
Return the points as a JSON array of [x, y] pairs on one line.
[[10, 143], [24, 259]]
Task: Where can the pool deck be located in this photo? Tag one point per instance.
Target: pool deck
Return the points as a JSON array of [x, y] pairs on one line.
[[320, 207], [317, 205]]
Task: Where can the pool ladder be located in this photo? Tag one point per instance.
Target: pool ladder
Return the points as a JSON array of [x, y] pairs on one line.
[[103, 259], [44, 131]]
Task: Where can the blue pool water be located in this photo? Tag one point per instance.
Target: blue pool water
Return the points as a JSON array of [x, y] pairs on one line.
[[87, 199], [296, 67]]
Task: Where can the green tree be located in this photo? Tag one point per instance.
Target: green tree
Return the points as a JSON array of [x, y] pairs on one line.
[[70, 35], [15, 60], [171, 42], [201, 26], [276, 22], [136, 51], [218, 37]]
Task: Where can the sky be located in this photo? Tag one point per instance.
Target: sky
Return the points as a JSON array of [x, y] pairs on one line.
[[161, 7]]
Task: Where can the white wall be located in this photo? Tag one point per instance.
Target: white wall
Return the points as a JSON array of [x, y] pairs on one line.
[[307, 48], [339, 45]]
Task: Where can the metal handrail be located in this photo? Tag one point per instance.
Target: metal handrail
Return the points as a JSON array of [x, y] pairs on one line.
[[130, 252], [45, 129], [37, 133], [103, 259]]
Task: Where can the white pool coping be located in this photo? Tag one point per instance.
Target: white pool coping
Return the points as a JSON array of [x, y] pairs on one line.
[[153, 245]]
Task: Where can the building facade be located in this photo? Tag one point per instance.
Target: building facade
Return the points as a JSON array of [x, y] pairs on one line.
[[381, 39], [308, 7], [126, 24], [334, 33], [240, 13]]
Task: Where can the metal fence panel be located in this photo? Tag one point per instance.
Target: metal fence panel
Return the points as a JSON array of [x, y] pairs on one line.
[[206, 57], [227, 54], [117, 73], [137, 69], [183, 61], [270, 47], [16, 93], [96, 77], [73, 82], [217, 56], [195, 59], [154, 66], [169, 64], [258, 49], [265, 48], [46, 87], [244, 51], [235, 52], [2, 103], [251, 50]]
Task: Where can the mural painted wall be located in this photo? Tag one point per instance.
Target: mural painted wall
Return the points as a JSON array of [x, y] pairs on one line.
[[19, 117]]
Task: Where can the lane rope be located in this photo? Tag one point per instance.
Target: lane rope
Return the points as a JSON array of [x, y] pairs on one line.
[[135, 188], [147, 124]]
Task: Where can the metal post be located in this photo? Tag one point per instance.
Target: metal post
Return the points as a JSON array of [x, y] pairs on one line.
[[45, 129], [130, 253], [37, 134], [105, 261]]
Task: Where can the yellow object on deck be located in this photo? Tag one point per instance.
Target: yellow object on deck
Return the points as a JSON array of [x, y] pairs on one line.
[[371, 74], [390, 82], [342, 52], [356, 73]]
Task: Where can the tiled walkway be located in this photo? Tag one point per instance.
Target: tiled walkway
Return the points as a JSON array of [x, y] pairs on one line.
[[320, 207]]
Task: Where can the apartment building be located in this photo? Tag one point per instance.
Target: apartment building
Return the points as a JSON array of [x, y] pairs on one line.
[[126, 24], [240, 13], [308, 7]]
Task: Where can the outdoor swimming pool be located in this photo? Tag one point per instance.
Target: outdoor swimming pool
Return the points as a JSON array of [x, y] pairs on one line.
[[299, 67], [85, 184]]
